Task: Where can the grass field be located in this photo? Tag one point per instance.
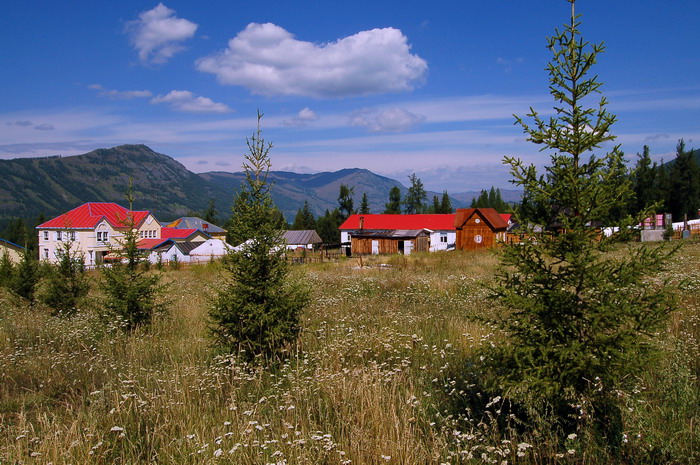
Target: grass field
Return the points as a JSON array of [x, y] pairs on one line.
[[380, 376]]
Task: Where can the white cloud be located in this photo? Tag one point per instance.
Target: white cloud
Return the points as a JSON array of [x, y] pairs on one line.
[[268, 60], [184, 100], [157, 34], [389, 120], [120, 94], [305, 115]]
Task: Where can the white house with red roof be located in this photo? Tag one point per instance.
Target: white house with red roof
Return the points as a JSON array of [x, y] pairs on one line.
[[95, 228], [441, 227]]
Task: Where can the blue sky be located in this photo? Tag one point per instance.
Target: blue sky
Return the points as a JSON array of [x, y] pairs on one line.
[[392, 86]]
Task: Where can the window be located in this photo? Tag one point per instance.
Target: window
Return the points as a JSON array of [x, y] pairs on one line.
[[72, 235], [58, 235], [443, 238], [102, 236], [141, 234], [46, 235], [46, 252]]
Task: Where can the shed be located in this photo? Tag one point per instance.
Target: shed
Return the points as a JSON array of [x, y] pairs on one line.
[[479, 228], [391, 241], [307, 239]]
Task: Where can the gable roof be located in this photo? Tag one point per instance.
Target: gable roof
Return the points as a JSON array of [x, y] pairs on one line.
[[306, 236], [184, 247], [490, 215], [436, 222], [11, 245], [148, 244], [89, 215], [193, 222], [175, 233]]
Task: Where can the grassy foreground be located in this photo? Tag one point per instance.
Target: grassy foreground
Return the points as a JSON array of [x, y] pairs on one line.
[[379, 377]]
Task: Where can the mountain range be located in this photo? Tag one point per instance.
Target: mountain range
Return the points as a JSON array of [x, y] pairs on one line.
[[50, 186]]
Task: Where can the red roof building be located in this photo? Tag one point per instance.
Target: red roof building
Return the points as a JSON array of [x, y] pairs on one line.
[[88, 215], [441, 230]]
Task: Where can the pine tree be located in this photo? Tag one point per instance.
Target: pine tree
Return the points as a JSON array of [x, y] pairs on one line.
[[210, 213], [327, 226], [644, 181], [578, 319], [685, 184], [7, 270], [132, 294], [257, 313], [346, 204], [67, 282], [435, 208], [304, 219], [364, 205], [415, 197], [394, 205], [446, 204], [25, 277]]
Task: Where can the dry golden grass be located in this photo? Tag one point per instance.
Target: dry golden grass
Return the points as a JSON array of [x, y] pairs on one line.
[[374, 379]]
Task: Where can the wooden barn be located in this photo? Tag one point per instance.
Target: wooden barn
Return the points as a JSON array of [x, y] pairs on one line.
[[391, 241], [479, 228]]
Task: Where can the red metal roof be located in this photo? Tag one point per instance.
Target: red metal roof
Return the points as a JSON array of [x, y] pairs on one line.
[[436, 222], [506, 217], [150, 243], [175, 233], [89, 215]]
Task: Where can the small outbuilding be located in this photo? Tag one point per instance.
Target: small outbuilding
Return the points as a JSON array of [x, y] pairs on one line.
[[305, 239], [13, 251], [479, 228], [392, 241]]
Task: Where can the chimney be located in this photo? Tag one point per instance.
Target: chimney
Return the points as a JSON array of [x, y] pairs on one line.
[[362, 223], [205, 226]]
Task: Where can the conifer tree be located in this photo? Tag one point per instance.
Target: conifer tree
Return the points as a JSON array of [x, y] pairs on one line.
[[685, 184], [327, 226], [304, 219], [6, 270], [578, 319], [346, 204], [445, 203], [644, 180], [394, 205], [67, 283], [132, 293], [364, 205], [415, 197], [25, 277], [257, 313]]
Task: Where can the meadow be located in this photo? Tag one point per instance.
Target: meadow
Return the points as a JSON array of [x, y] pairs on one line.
[[382, 374]]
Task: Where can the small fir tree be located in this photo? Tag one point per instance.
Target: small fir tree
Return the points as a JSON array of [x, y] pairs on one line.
[[304, 219], [445, 204], [579, 320], [67, 282], [364, 205], [327, 226], [394, 205], [132, 293], [6, 270], [415, 197], [346, 204], [25, 277], [257, 313]]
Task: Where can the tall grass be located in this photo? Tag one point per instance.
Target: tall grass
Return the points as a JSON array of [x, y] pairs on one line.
[[381, 375]]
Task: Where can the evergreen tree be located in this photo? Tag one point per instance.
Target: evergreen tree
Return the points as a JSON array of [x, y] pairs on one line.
[[132, 294], [394, 205], [304, 219], [25, 277], [644, 181], [210, 213], [67, 282], [327, 226], [364, 205], [346, 203], [685, 184], [446, 204], [435, 208], [415, 197], [6, 270], [578, 320], [257, 313]]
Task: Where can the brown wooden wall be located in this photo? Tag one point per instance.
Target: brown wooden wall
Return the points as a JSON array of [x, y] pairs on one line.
[[471, 229], [363, 245]]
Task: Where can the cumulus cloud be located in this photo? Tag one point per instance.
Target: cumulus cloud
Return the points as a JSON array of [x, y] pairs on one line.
[[184, 100], [120, 94], [22, 123], [389, 120], [44, 127], [157, 34], [269, 60], [305, 115]]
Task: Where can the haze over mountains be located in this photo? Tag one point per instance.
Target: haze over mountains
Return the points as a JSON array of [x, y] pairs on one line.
[[53, 185]]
